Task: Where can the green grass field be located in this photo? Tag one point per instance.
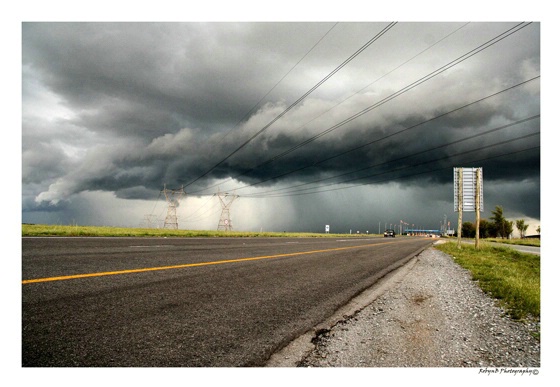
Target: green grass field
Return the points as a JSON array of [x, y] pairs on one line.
[[504, 273], [516, 241], [93, 231]]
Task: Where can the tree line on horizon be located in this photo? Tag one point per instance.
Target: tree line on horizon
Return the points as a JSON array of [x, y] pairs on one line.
[[497, 227]]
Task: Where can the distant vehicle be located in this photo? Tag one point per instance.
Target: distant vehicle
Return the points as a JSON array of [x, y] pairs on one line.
[[389, 233]]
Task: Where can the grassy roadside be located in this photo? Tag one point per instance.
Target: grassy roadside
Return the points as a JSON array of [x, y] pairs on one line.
[[510, 276], [94, 231], [516, 241]]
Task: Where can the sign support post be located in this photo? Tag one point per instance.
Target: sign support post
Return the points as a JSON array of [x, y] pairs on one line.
[[468, 197], [477, 208], [460, 200]]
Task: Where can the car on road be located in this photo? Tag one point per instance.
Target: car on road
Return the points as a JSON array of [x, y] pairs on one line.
[[389, 233]]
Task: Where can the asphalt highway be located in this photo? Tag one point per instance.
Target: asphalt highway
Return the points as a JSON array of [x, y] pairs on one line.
[[188, 302]]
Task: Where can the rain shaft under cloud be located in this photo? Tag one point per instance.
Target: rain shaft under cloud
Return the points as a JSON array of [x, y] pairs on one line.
[[273, 113]]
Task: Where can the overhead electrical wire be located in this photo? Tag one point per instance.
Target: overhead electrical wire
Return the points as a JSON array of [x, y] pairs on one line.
[[155, 204], [299, 100], [205, 214], [490, 131], [298, 193], [411, 86], [192, 215], [321, 189], [338, 104], [276, 85], [264, 96], [377, 140], [435, 170]]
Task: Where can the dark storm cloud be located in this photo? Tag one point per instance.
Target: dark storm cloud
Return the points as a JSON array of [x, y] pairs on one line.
[[128, 107], [189, 74]]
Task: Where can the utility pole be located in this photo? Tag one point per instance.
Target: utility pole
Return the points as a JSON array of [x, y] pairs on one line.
[[172, 197], [225, 220]]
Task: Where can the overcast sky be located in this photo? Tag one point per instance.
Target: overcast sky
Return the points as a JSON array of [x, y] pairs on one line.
[[355, 125]]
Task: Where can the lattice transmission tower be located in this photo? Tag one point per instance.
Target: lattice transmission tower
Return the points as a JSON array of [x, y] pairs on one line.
[[226, 200], [172, 197]]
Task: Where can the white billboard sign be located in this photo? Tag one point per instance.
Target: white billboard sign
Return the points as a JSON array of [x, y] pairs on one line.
[[469, 189]]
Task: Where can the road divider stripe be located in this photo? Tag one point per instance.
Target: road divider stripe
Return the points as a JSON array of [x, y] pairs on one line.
[[187, 265]]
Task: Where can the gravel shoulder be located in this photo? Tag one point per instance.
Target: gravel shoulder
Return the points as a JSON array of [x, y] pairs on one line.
[[432, 314]]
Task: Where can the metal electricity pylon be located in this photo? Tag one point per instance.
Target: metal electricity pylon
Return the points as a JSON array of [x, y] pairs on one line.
[[225, 220], [172, 197]]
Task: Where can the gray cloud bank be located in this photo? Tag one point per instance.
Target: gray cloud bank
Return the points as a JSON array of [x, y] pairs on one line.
[[125, 108]]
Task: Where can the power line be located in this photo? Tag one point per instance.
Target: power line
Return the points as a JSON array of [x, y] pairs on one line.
[[402, 91], [339, 103], [404, 157], [365, 46], [191, 217], [277, 83], [411, 86], [314, 164], [299, 193]]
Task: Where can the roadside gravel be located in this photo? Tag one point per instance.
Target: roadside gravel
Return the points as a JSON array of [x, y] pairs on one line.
[[435, 316]]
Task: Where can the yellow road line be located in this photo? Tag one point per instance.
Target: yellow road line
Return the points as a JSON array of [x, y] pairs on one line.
[[147, 269]]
